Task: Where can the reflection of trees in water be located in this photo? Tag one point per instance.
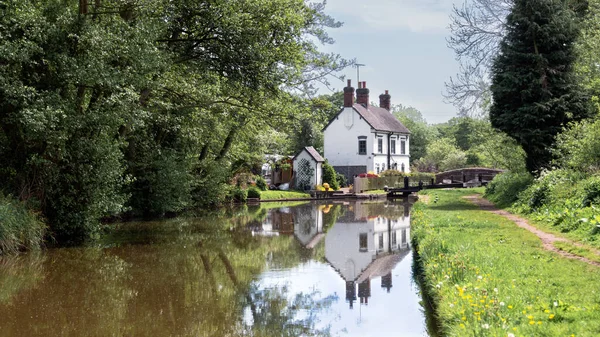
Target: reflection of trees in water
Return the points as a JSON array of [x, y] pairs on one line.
[[18, 273], [276, 313], [182, 278]]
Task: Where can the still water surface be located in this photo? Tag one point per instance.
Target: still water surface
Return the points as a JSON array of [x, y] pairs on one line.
[[338, 269]]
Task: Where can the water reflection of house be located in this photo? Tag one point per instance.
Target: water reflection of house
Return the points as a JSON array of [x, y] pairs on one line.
[[304, 221], [362, 246]]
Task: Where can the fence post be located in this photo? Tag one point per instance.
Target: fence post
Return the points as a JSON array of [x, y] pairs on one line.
[[406, 182]]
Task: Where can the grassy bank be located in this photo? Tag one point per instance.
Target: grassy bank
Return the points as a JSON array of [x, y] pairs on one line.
[[489, 277], [20, 229], [279, 195]]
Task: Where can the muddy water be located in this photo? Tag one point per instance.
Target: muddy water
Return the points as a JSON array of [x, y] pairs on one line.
[[338, 269]]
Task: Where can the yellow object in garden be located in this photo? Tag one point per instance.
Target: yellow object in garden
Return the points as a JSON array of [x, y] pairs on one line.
[[326, 186]]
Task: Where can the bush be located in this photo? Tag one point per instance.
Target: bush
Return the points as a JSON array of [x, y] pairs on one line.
[[590, 191], [237, 195], [330, 176], [341, 180], [253, 192], [20, 228], [504, 189], [392, 173], [421, 176], [261, 183], [552, 187]]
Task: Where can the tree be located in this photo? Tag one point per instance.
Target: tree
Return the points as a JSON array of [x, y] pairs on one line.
[[420, 133], [476, 27], [534, 89]]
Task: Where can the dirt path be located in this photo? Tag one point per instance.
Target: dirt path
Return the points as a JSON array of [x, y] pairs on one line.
[[548, 239]]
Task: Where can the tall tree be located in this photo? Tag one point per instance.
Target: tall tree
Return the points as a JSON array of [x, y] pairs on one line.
[[533, 86]]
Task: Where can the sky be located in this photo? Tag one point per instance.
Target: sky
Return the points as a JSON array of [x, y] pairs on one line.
[[403, 46]]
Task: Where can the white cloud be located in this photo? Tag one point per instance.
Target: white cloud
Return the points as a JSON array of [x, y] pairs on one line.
[[421, 16]]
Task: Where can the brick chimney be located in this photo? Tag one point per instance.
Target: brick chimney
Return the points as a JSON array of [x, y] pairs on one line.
[[385, 101], [348, 95], [362, 94]]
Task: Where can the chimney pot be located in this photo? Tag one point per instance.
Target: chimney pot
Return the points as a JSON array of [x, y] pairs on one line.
[[362, 94], [385, 101], [348, 95]]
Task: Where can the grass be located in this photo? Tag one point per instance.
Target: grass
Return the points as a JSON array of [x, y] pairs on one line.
[[278, 195], [577, 250], [489, 277], [20, 229]]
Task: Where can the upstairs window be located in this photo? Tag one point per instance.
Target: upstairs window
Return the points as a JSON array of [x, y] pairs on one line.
[[403, 146], [362, 242], [362, 145], [379, 144], [393, 146]]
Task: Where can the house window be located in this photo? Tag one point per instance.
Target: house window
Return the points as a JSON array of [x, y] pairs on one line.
[[402, 146], [377, 168], [362, 242], [362, 145], [402, 167], [393, 146], [381, 241], [380, 144], [404, 236], [394, 238]]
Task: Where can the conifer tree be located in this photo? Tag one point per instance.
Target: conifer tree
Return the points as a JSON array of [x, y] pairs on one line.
[[533, 84]]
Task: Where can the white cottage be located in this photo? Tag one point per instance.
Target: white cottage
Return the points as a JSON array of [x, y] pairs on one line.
[[308, 169], [362, 137]]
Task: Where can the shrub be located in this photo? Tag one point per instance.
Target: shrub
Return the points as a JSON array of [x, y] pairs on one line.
[[551, 187], [421, 176], [590, 191], [261, 183], [238, 195], [20, 228], [253, 192], [391, 173], [505, 187], [341, 180], [330, 176]]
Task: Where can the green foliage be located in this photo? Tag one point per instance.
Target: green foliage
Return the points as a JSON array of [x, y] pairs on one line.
[[533, 82], [261, 183], [442, 155], [504, 189], [238, 195], [20, 228], [137, 110], [578, 147], [341, 179], [330, 176], [392, 173], [420, 133], [253, 192]]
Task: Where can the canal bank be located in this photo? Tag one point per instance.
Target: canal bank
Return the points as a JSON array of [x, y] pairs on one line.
[[488, 277]]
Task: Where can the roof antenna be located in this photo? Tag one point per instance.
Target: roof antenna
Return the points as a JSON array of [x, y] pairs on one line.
[[358, 65]]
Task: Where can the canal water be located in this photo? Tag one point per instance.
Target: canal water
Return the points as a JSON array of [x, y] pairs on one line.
[[335, 269]]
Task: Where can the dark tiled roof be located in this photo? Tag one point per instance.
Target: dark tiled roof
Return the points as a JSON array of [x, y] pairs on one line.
[[313, 153], [380, 119]]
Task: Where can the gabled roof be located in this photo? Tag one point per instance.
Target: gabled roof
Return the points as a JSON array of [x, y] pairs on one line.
[[313, 153], [378, 118]]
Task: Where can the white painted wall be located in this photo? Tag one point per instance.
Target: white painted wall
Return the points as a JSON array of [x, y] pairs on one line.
[[341, 140], [341, 143], [342, 248], [317, 168]]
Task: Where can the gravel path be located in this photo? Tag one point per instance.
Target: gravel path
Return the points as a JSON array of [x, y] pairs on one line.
[[548, 239]]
